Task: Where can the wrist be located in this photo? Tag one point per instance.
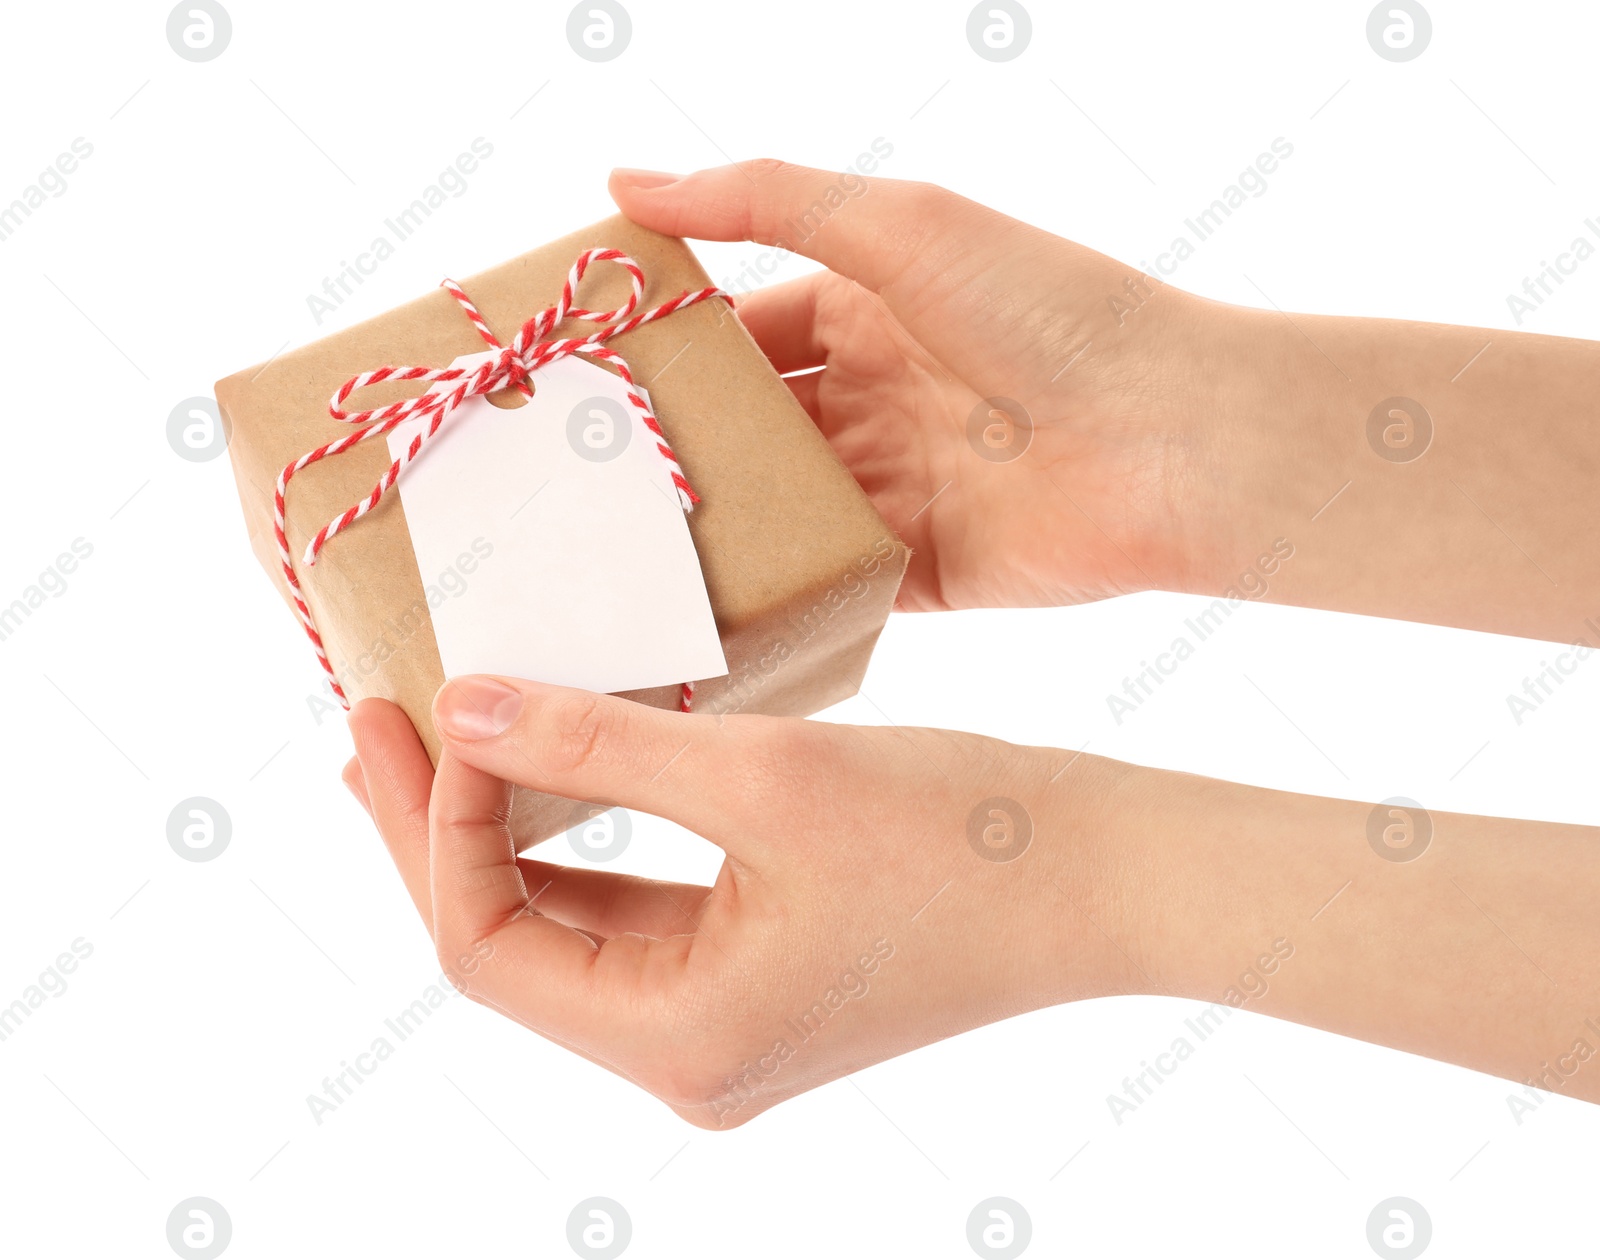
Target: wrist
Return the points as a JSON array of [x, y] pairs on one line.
[[1175, 882], [1260, 455], [1114, 852]]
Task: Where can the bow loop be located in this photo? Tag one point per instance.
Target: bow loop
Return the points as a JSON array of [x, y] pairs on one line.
[[449, 387]]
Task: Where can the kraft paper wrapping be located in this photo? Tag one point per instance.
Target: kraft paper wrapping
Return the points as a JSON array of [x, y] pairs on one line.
[[800, 568]]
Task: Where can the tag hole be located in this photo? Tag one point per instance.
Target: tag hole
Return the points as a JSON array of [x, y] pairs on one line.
[[509, 399]]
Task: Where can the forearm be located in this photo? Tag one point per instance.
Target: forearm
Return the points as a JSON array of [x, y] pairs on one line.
[[1477, 944], [1480, 510]]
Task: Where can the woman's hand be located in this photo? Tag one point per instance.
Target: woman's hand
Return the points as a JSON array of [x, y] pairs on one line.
[[937, 316], [883, 888], [1412, 470]]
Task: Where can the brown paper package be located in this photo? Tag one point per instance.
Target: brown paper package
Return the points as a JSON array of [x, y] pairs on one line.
[[800, 568]]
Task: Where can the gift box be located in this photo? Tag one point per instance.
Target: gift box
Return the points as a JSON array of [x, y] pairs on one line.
[[800, 570]]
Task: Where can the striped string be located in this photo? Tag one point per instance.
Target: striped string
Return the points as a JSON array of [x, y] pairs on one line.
[[448, 388]]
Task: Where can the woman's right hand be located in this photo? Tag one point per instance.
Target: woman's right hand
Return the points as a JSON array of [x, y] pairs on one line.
[[934, 310], [1177, 443]]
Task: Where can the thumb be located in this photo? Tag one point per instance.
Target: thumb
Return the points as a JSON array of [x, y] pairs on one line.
[[976, 289], [695, 770], [874, 231]]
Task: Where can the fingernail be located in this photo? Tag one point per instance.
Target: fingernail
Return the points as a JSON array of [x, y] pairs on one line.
[[475, 708], [643, 179]]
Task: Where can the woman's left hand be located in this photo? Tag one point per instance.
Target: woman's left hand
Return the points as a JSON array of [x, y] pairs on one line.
[[883, 887]]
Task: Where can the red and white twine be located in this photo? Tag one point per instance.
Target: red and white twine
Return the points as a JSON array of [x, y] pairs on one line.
[[510, 368]]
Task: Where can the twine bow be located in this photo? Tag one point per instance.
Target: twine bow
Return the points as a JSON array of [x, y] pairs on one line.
[[449, 387]]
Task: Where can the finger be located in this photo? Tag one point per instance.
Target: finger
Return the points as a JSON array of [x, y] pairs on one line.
[[606, 904], [695, 769], [354, 780], [594, 901], [967, 283], [398, 778], [783, 321], [871, 230], [498, 947], [804, 388], [476, 883]]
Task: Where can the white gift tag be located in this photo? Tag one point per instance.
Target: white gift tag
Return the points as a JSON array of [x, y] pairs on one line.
[[582, 571]]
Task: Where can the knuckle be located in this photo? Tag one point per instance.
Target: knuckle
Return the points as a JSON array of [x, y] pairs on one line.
[[778, 759], [925, 193], [923, 202], [720, 1089], [452, 811], [684, 1084], [687, 1065], [450, 952], [768, 200], [708, 1059], [721, 1114], [706, 1118], [577, 730], [768, 168]]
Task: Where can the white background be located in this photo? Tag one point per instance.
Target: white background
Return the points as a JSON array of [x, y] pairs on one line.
[[220, 994]]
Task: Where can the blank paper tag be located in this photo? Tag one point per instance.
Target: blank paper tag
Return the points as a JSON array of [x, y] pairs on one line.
[[582, 569]]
